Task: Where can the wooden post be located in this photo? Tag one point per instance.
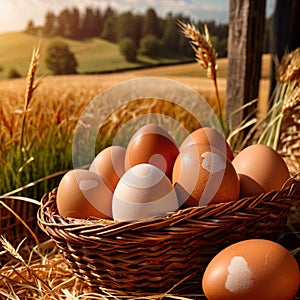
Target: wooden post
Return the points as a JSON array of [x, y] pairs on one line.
[[245, 43], [285, 34]]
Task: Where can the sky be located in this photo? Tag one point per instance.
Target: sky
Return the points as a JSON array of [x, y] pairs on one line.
[[15, 14]]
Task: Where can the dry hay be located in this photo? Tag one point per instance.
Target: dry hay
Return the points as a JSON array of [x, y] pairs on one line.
[[47, 275]]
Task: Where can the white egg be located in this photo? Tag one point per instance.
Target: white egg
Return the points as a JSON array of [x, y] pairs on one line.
[[144, 191]]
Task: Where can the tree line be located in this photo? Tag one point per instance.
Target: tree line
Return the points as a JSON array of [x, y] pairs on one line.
[[135, 33]]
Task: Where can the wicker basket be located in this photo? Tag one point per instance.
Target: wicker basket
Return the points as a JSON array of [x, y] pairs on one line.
[[155, 255]]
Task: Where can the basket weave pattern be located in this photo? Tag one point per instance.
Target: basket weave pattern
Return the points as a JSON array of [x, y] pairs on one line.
[[155, 255]]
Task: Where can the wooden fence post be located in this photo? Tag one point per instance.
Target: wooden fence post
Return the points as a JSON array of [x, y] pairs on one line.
[[285, 33], [245, 45]]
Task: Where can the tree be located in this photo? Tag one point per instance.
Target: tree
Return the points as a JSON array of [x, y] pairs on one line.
[[13, 73], [75, 24], [60, 59], [109, 29], [150, 45], [171, 35], [50, 24], [128, 26], [30, 27], [109, 13], [109, 21], [64, 24], [222, 48], [151, 24], [88, 23], [128, 49], [97, 22]]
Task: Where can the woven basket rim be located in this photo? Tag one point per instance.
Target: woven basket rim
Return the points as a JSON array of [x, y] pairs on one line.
[[48, 216]]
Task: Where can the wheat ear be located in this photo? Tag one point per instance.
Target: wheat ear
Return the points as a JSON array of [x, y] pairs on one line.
[[288, 69], [30, 88], [7, 246], [31, 77], [205, 54]]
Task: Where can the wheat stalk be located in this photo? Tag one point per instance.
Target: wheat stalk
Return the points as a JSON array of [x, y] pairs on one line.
[[206, 56], [30, 88], [292, 100], [285, 99], [7, 246], [18, 217]]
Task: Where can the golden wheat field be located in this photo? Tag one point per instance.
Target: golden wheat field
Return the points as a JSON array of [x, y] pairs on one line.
[[61, 98], [58, 102]]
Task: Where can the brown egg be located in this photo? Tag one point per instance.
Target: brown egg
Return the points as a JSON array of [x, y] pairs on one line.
[[83, 194], [152, 144], [207, 135], [261, 169], [254, 269], [109, 164], [144, 191], [203, 175]]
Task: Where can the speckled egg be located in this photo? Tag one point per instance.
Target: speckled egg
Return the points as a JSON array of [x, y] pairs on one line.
[[254, 269], [203, 175], [210, 136]]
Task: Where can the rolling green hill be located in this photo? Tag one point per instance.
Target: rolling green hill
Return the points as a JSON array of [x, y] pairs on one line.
[[93, 55]]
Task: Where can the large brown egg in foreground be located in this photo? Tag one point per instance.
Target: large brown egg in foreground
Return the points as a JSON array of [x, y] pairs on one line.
[[152, 144], [83, 194], [210, 136], [202, 175], [254, 269], [261, 169]]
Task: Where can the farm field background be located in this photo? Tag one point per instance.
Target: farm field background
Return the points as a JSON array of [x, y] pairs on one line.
[[94, 55], [56, 106]]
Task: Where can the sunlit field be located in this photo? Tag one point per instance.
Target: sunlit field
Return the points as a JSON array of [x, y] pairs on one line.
[[94, 55], [55, 108]]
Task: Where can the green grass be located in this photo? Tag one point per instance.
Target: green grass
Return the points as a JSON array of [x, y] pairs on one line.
[[93, 55], [41, 158]]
